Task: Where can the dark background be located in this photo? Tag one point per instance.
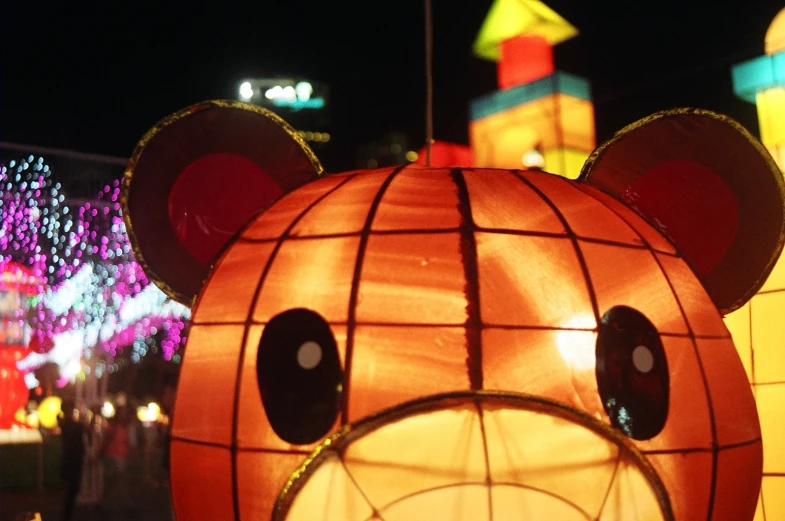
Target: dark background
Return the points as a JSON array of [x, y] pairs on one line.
[[94, 77]]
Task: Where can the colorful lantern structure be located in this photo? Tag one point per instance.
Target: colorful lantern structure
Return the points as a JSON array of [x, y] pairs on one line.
[[537, 107], [414, 343], [757, 327], [762, 81], [16, 284]]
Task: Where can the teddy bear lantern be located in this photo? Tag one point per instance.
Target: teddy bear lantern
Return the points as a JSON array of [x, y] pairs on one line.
[[414, 343]]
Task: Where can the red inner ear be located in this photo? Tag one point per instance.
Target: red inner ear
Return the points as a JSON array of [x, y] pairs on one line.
[[214, 197], [690, 205]]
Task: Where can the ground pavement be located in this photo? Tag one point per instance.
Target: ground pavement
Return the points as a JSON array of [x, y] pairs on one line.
[[150, 492]]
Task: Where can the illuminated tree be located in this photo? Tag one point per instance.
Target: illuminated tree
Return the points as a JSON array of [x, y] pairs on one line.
[[99, 305]]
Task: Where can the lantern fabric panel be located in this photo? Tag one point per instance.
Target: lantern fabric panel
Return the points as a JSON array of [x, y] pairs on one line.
[[758, 335], [552, 363], [688, 427], [634, 279], [222, 301], [768, 333], [730, 397], [702, 315], [647, 234], [207, 470], [450, 455], [283, 212], [418, 199], [260, 478], [381, 377], [323, 284], [586, 217], [690, 475], [206, 390], [731, 466], [545, 458], [412, 279], [772, 424], [494, 197], [343, 211], [333, 494], [775, 500], [511, 295]]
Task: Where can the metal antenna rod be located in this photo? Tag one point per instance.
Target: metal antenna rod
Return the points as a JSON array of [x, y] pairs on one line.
[[428, 82]]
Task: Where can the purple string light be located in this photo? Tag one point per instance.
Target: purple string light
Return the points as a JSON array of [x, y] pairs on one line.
[[40, 230]]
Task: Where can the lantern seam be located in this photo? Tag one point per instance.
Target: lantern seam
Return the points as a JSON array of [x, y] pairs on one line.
[[468, 251], [693, 450], [691, 336], [573, 239], [351, 322], [249, 320]]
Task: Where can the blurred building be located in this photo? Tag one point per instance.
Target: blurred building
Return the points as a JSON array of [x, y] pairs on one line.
[[301, 102]]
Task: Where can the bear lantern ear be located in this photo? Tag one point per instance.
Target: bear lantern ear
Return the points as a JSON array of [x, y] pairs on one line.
[[197, 177], [707, 185]]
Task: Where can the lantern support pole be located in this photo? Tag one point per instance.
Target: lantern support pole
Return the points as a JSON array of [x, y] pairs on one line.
[[428, 83]]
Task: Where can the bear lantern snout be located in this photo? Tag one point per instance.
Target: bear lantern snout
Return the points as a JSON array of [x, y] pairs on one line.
[[475, 455]]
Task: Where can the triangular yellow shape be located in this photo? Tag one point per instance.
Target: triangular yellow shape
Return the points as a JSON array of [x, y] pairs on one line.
[[510, 18]]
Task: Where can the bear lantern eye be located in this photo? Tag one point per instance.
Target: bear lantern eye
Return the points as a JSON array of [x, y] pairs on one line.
[[299, 375], [632, 373]]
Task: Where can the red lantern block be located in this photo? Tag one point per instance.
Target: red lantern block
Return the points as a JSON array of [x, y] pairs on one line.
[[524, 59], [446, 155], [13, 391]]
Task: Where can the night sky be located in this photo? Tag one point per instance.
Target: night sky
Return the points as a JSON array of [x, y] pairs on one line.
[[94, 78]]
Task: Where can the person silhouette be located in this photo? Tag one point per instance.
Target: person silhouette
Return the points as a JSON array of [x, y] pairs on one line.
[[72, 437]]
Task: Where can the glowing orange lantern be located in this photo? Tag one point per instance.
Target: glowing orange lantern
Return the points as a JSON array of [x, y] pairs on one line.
[[416, 343], [762, 81]]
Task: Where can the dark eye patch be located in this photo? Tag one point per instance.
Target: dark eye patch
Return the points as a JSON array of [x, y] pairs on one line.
[[632, 373], [299, 375]]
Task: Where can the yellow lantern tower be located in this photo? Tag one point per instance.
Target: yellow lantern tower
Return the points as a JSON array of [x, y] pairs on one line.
[[539, 116], [762, 81], [758, 327]]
